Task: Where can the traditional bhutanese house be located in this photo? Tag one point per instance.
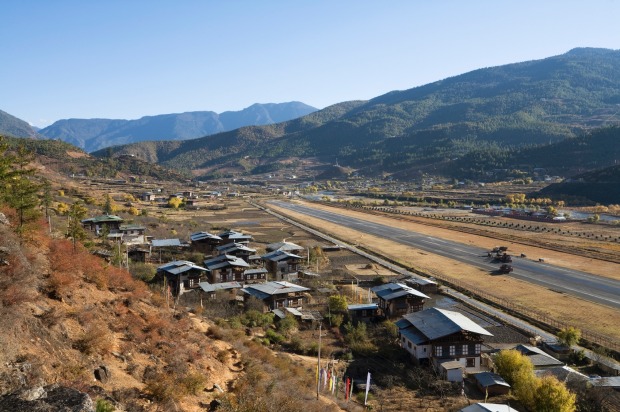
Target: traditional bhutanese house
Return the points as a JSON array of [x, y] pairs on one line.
[[226, 268], [488, 407], [147, 197], [437, 335], [138, 254], [423, 285], [132, 234], [491, 384], [396, 299], [235, 249], [97, 223], [539, 358], [211, 289], [232, 236], [181, 275], [280, 263], [204, 242], [285, 246], [277, 294], [363, 312], [565, 374], [255, 275]]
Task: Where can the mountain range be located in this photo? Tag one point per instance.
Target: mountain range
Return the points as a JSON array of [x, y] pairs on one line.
[[95, 134], [12, 126], [425, 129]]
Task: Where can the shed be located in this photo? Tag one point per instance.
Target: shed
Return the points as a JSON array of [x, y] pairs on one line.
[[452, 371], [491, 383]]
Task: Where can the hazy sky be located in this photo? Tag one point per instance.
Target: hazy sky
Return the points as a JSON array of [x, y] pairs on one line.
[[130, 58]]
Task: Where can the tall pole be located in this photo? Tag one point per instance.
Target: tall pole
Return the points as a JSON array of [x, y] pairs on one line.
[[318, 367]]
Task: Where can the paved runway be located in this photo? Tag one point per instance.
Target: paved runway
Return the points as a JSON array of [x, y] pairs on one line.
[[572, 282]]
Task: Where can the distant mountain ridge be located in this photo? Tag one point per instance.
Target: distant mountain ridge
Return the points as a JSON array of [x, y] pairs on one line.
[[95, 134], [12, 126], [425, 128]]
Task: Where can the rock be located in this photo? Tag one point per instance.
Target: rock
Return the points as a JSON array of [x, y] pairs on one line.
[[51, 398], [3, 219], [103, 374]]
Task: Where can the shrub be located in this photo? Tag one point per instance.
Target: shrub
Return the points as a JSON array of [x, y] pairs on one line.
[[273, 337], [193, 383]]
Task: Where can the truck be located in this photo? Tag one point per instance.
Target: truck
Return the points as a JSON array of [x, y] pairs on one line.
[[505, 268]]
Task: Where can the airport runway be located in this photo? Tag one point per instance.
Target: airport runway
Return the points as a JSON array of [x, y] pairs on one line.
[[584, 285]]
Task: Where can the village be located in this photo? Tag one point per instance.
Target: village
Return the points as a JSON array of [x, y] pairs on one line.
[[235, 260]]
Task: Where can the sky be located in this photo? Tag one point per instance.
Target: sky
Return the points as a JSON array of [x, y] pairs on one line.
[[124, 59]]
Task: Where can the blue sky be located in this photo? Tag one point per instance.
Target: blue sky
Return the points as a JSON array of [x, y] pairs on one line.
[[130, 58]]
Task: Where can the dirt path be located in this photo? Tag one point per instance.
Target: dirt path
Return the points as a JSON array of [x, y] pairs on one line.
[[557, 307]]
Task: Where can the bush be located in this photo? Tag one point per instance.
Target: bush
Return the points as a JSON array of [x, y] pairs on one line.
[[273, 337], [193, 383]]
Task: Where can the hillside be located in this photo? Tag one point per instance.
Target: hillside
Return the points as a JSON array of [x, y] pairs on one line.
[[599, 186], [515, 105], [94, 134], [66, 159], [12, 126]]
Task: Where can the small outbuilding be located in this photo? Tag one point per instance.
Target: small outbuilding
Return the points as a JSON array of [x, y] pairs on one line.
[[491, 384]]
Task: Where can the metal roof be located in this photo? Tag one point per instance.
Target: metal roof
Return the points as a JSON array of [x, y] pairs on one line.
[[436, 323], [212, 287], [538, 356], [231, 234], [284, 245], [363, 306], [255, 271], [231, 247], [413, 335], [488, 407], [274, 288], [279, 255], [489, 379], [165, 242], [131, 227], [103, 219], [221, 261], [391, 291], [203, 235], [180, 266]]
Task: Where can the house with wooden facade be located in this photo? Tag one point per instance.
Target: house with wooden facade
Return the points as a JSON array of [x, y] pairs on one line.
[[285, 246], [96, 224], [226, 268], [239, 250], [211, 289], [181, 276], [396, 299], [280, 263], [132, 234], [232, 236], [434, 336], [363, 312], [277, 294], [204, 242]]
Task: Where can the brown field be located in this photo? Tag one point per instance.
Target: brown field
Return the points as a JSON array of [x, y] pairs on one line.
[[556, 306]]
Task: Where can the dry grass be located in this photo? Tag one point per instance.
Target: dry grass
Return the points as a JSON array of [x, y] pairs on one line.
[[582, 314]]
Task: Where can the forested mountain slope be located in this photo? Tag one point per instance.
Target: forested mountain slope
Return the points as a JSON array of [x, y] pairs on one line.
[[529, 103]]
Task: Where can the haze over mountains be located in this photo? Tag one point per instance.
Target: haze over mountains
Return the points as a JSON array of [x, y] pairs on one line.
[[486, 113], [94, 134]]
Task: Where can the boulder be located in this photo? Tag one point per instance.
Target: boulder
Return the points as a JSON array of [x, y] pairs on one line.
[[50, 398], [103, 374]]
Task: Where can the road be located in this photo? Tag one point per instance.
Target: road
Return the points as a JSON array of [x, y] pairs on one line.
[[572, 282]]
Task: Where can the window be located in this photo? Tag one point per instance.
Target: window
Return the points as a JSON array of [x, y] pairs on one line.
[[477, 348], [438, 351], [465, 349], [470, 363], [409, 345], [452, 350]]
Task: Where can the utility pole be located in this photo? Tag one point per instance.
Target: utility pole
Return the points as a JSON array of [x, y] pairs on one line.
[[318, 367]]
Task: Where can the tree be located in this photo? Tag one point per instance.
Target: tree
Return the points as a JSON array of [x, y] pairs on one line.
[[510, 364], [337, 304], [46, 197], [109, 207], [551, 395], [22, 195], [75, 231], [569, 336], [175, 202]]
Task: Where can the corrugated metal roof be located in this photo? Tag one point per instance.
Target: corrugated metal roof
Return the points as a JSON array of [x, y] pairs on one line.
[[180, 266], [165, 242], [286, 246], [279, 255], [203, 235], [276, 288], [221, 261], [414, 336], [488, 407], [435, 323], [231, 247], [103, 219], [255, 271], [489, 379], [363, 306], [212, 287], [391, 291]]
